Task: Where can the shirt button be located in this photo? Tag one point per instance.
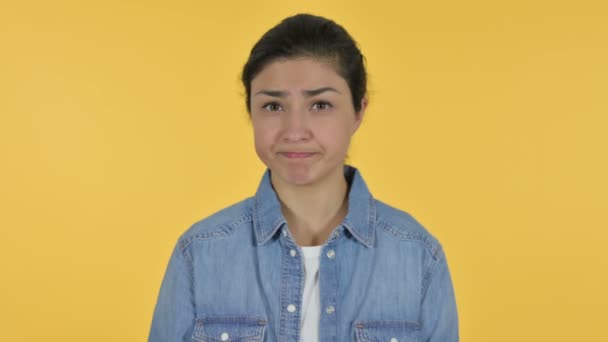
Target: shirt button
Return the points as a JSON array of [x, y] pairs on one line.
[[394, 339], [224, 336], [292, 252], [331, 254], [330, 310], [291, 308]]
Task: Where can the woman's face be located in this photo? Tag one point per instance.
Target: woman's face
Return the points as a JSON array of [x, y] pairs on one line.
[[303, 119]]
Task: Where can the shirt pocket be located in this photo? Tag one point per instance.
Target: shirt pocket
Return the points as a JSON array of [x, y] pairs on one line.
[[387, 331], [231, 328]]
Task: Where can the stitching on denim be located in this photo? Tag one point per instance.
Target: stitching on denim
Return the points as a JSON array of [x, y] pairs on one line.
[[363, 336], [356, 234], [257, 323], [282, 299], [362, 333], [256, 220], [253, 337], [235, 224], [261, 234], [220, 231], [432, 246], [232, 318], [338, 289], [371, 220], [267, 235], [286, 318], [187, 258], [388, 324], [427, 277]]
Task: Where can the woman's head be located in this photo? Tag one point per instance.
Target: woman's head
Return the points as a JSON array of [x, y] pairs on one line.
[[305, 83], [306, 35]]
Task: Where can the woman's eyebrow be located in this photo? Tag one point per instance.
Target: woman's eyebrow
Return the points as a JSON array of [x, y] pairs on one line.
[[315, 92], [273, 93], [307, 93]]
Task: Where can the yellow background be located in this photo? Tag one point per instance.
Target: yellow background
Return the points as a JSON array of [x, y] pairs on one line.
[[123, 122]]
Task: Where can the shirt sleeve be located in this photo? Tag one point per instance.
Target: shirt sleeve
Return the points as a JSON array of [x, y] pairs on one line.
[[174, 315], [439, 314]]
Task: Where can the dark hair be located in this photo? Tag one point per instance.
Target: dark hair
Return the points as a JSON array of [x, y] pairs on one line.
[[305, 35]]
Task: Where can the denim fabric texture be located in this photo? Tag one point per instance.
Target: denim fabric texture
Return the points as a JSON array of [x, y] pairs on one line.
[[238, 276]]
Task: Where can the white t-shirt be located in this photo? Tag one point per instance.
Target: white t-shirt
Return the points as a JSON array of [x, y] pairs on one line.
[[311, 298]]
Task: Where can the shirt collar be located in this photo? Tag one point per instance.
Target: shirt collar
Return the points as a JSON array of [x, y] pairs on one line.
[[359, 221]]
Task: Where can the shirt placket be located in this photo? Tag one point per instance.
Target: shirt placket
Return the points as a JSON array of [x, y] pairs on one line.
[[328, 289], [292, 284]]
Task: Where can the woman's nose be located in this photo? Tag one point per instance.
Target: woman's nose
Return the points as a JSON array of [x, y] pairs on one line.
[[296, 126]]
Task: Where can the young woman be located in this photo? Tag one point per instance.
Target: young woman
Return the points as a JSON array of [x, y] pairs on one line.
[[313, 256]]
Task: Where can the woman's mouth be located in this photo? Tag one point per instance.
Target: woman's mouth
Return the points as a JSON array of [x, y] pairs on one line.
[[297, 155]]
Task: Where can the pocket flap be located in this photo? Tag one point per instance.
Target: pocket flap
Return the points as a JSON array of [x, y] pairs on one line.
[[387, 331], [232, 328]]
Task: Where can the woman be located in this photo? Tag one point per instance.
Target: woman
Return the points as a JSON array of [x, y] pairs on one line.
[[312, 256]]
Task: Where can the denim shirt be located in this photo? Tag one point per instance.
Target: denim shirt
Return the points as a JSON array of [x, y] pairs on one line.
[[238, 276]]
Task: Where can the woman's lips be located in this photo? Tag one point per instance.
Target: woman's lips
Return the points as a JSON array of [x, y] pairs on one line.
[[297, 155]]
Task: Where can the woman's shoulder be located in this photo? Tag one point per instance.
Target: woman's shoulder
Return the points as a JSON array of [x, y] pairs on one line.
[[219, 224], [403, 226]]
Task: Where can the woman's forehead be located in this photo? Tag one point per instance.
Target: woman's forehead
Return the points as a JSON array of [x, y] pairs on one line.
[[302, 73]]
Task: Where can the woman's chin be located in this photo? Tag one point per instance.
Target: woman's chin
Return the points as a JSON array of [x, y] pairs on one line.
[[304, 174], [298, 178], [295, 176]]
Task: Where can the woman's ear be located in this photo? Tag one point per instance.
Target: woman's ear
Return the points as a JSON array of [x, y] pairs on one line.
[[359, 115]]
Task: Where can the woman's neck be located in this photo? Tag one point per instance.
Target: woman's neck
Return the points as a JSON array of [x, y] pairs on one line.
[[312, 212]]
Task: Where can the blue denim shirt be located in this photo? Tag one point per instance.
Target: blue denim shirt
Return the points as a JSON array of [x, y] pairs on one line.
[[233, 277]]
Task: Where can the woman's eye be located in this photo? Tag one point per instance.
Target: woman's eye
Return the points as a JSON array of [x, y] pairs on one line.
[[321, 105], [272, 106]]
